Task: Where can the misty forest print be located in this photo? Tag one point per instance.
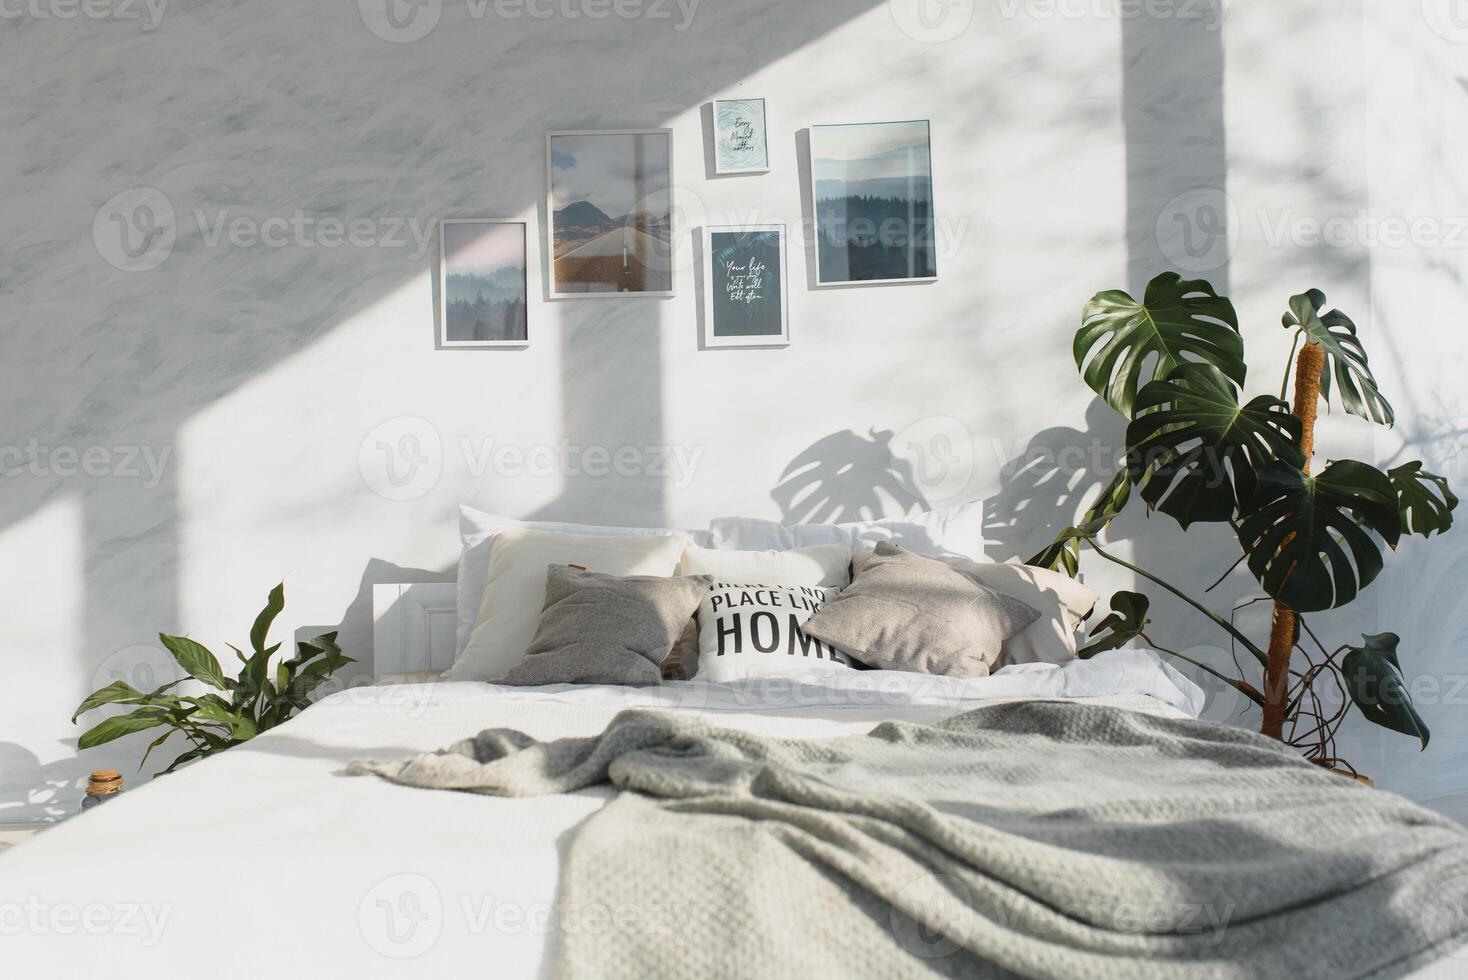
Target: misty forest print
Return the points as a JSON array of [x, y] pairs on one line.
[[484, 283], [873, 193], [611, 213]]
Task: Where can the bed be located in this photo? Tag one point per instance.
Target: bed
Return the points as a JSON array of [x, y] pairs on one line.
[[790, 790], [267, 861]]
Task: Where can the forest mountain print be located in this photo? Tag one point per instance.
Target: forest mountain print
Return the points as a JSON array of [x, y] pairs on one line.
[[873, 192], [484, 283]]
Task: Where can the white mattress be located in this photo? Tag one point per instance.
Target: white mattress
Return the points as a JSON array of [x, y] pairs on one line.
[[265, 862]]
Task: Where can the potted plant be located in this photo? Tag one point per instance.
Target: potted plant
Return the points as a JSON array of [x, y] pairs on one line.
[[1173, 366], [244, 706]]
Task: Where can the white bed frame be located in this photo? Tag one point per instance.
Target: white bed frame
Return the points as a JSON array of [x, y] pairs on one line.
[[413, 627]]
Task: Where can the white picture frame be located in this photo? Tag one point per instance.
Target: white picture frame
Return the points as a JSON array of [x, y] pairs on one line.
[[837, 164], [447, 312], [627, 200], [730, 116], [716, 282]]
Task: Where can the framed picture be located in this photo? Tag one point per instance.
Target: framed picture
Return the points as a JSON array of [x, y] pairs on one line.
[[740, 146], [872, 190], [745, 290], [610, 212], [483, 284]]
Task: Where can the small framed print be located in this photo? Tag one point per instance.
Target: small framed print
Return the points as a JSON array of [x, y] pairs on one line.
[[745, 290], [483, 283], [740, 143], [610, 213], [872, 189]]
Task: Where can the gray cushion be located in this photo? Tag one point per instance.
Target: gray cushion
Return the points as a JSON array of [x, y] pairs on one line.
[[606, 629], [906, 612], [682, 662]]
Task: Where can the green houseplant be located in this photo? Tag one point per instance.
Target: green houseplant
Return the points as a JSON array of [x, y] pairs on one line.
[[236, 709], [1173, 366]]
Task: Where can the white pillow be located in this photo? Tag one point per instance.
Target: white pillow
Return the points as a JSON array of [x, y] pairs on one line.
[[1061, 601], [514, 590], [476, 532], [954, 531], [818, 565], [754, 631]]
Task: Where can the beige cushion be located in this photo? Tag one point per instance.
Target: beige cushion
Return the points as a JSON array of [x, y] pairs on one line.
[[823, 565], [514, 591], [907, 612], [606, 629], [1063, 603]]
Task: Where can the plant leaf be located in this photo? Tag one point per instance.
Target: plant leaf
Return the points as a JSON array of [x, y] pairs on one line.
[[1199, 450], [1374, 679], [1064, 553], [1345, 357], [153, 745], [261, 629], [118, 692], [1125, 622], [195, 659], [1309, 538], [241, 728], [1424, 499], [1123, 344], [113, 728], [188, 756], [121, 692]]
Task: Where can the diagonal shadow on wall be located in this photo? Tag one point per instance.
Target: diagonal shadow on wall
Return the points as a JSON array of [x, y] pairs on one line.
[[168, 343]]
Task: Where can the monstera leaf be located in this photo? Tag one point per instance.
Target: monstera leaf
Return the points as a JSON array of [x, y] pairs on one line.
[[1064, 553], [1345, 358], [1309, 538], [1423, 499], [1200, 449], [1123, 344], [1374, 680], [1125, 622]]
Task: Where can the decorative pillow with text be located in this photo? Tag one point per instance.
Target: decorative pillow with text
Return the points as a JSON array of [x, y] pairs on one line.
[[755, 631]]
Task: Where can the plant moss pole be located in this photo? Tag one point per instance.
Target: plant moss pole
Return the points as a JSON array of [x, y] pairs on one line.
[[1308, 366]]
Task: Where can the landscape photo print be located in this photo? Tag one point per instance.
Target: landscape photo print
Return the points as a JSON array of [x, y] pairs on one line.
[[610, 213], [872, 188], [482, 283]]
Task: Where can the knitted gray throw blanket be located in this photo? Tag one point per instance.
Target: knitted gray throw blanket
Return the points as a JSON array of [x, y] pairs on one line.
[[1038, 839]]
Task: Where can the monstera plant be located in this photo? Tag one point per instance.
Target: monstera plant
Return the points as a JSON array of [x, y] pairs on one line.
[[236, 709], [1196, 450]]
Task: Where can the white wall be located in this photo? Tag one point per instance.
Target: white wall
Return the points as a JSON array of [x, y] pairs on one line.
[[1068, 141]]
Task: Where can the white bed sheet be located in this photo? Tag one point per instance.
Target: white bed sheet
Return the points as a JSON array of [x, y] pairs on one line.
[[265, 862]]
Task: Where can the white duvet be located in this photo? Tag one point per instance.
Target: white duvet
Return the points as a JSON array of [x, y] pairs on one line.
[[265, 862]]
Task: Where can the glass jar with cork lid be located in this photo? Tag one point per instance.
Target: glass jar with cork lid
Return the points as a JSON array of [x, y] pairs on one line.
[[102, 785]]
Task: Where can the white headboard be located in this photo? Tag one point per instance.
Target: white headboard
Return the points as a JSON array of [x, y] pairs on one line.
[[413, 627]]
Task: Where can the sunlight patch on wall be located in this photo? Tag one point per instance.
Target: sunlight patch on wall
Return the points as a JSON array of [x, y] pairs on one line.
[[41, 572], [369, 426]]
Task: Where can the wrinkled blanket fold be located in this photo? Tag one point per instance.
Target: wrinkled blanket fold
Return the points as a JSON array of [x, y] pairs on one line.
[[1034, 838]]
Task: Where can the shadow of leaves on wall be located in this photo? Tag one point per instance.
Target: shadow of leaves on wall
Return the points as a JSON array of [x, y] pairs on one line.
[[52, 790], [846, 476], [1047, 484]]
